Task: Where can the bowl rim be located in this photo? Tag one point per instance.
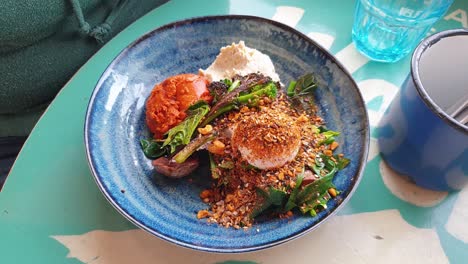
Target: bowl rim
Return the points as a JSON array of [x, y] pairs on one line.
[[356, 179], [415, 75]]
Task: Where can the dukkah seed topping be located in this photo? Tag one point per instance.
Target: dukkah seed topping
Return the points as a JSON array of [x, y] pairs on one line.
[[232, 196]]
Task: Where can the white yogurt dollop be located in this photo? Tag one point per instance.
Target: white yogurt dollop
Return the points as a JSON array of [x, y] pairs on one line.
[[239, 59]]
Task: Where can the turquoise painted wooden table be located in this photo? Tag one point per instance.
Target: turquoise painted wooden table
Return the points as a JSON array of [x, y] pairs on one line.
[[51, 211]]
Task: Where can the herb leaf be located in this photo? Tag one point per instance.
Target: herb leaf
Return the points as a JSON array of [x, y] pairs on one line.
[[273, 199], [341, 162], [152, 148], [182, 133], [318, 166], [228, 82], [263, 206], [305, 85], [277, 197], [329, 136], [315, 189], [291, 203], [315, 204]]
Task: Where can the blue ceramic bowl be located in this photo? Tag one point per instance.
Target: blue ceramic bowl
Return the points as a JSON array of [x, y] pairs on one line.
[[115, 122]]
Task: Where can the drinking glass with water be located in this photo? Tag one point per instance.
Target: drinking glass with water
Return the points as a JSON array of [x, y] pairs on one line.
[[388, 30]]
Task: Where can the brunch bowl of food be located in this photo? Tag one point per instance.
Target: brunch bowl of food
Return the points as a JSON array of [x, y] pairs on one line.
[[226, 133]]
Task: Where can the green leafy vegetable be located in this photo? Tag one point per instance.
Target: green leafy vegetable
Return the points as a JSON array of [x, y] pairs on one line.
[[227, 165], [322, 129], [291, 203], [290, 90], [300, 92], [191, 147], [313, 205], [342, 162], [261, 208], [305, 85], [228, 82], [273, 199], [182, 133], [310, 198], [217, 90], [315, 129], [233, 85], [276, 197], [153, 149], [318, 166], [315, 189], [279, 201], [213, 167], [330, 165], [329, 135], [325, 166], [250, 99]]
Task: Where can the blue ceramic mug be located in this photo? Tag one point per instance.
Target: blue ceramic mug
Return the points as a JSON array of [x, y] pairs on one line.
[[418, 136]]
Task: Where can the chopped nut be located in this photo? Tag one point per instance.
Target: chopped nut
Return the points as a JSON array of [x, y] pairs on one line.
[[216, 147], [302, 118], [206, 194], [203, 214], [205, 130], [281, 175], [328, 152], [229, 198], [292, 184], [333, 145], [244, 109]]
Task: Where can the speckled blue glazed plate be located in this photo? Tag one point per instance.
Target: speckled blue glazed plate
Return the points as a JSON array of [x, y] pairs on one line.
[[115, 122]]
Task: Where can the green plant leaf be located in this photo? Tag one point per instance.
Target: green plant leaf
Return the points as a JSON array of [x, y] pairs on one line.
[[277, 197], [152, 148], [329, 136], [314, 189], [305, 85], [226, 165], [342, 162], [273, 199], [182, 133], [262, 207], [291, 203], [314, 205]]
